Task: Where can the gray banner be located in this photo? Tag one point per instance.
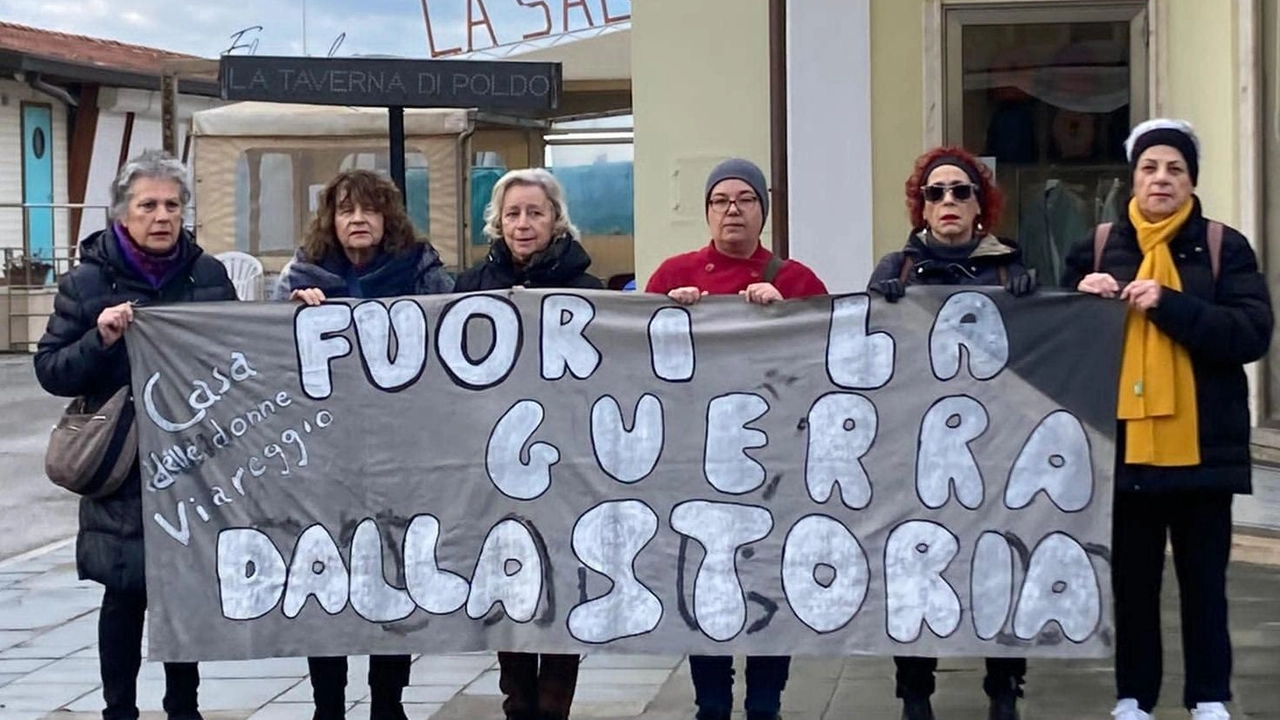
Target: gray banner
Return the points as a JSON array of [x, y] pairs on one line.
[[555, 472]]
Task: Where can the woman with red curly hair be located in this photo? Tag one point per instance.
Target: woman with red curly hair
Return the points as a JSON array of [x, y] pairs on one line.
[[953, 201]]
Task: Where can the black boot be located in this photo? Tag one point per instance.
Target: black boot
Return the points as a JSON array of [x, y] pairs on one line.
[[1003, 707], [385, 701], [917, 709], [328, 687], [386, 708], [330, 705]]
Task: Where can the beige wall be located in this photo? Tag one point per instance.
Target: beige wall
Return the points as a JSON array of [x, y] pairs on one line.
[[897, 112], [681, 130], [700, 88], [1199, 78], [1200, 87]]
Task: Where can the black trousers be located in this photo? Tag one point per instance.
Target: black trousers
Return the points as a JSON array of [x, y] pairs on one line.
[[1199, 526], [712, 677], [120, 624], [537, 685], [388, 676], [916, 681]]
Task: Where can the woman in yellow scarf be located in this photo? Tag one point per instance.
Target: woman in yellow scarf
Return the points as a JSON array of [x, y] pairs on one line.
[[1199, 310]]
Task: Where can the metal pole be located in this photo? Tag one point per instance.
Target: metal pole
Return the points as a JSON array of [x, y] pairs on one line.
[[395, 116], [169, 113]]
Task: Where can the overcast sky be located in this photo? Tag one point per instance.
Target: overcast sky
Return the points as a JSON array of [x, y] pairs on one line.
[[382, 27]]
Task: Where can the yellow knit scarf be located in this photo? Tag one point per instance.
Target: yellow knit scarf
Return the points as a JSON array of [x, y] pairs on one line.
[[1157, 384]]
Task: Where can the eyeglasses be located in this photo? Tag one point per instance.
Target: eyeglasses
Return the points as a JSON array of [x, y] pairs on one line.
[[962, 192], [744, 203]]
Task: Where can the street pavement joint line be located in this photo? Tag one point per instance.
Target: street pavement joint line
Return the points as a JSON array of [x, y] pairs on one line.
[[38, 552]]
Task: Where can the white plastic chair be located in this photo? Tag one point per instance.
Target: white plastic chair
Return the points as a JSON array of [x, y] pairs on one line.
[[278, 290], [245, 271]]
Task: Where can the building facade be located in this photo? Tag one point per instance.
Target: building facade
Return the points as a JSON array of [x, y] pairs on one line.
[[73, 109], [836, 99]]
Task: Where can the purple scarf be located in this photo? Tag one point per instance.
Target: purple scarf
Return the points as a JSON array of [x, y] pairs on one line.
[[155, 269]]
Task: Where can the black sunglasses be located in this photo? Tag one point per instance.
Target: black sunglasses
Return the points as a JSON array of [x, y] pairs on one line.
[[962, 192]]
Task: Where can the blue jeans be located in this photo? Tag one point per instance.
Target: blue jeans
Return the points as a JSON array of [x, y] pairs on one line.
[[713, 685]]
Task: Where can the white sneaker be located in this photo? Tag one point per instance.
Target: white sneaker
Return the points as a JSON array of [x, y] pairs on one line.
[[1210, 711], [1127, 709]]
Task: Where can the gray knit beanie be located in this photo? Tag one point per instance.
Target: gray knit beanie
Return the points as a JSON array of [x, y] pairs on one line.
[[746, 171]]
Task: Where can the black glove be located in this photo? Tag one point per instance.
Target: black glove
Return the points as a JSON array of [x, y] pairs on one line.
[[1022, 284], [891, 289]]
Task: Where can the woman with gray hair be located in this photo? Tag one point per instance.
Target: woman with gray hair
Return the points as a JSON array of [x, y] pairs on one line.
[[534, 246], [534, 241], [144, 256]]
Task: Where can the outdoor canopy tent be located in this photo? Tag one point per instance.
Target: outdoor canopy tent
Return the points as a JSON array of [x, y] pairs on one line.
[[259, 166]]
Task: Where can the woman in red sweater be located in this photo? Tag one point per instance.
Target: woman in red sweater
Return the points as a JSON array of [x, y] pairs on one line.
[[735, 262]]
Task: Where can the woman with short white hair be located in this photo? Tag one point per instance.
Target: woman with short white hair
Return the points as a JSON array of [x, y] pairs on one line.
[[534, 245]]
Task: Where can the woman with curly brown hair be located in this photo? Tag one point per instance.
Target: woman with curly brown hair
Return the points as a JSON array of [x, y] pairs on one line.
[[361, 245], [952, 201]]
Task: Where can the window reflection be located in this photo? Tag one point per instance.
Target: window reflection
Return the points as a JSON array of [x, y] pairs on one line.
[[1048, 105]]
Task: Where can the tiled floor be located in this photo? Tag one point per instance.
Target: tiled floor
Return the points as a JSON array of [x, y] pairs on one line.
[[49, 669], [49, 664]]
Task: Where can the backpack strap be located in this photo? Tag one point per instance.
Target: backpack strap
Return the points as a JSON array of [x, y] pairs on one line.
[[1100, 235], [1215, 248], [1215, 229], [771, 268], [907, 266], [1002, 271]]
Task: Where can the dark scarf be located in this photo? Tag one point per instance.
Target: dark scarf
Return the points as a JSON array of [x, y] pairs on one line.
[[153, 268], [562, 260], [386, 275], [944, 252]]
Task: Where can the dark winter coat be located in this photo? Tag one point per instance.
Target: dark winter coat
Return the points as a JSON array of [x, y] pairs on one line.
[[1224, 325], [981, 266], [71, 361], [417, 271], [562, 265]]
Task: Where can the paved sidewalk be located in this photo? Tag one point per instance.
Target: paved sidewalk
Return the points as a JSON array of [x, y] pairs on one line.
[[49, 671]]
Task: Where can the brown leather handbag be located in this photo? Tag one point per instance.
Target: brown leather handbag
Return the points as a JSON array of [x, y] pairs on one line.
[[91, 451]]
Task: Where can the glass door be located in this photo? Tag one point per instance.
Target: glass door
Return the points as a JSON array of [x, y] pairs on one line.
[[1046, 93]]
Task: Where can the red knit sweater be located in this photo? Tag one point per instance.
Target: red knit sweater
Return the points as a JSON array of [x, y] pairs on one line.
[[718, 274]]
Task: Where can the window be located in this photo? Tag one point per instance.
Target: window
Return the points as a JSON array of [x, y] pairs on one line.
[[594, 160], [1046, 95], [599, 184], [266, 221], [277, 192]]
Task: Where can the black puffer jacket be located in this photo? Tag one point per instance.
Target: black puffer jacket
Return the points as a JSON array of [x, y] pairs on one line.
[[1224, 325], [562, 265], [930, 266], [71, 361]]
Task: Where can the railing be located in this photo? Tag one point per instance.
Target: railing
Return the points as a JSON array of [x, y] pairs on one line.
[[27, 277], [25, 272], [24, 267]]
